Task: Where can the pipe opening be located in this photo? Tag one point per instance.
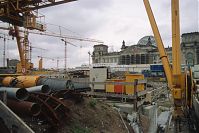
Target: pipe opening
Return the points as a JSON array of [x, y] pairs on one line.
[[45, 89], [35, 109], [22, 94]]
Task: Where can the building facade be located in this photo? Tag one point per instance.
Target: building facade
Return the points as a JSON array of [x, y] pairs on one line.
[[146, 52]]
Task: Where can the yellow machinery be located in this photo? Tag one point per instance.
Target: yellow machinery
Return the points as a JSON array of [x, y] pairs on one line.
[[181, 84]]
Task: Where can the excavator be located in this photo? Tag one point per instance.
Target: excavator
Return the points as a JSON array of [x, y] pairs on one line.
[[180, 82]]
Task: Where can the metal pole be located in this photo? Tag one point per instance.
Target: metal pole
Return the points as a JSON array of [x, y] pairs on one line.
[[4, 51], [65, 55], [89, 57], [57, 63], [136, 94]]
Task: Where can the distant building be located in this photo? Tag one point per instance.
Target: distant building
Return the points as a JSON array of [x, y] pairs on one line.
[[146, 52], [12, 63]]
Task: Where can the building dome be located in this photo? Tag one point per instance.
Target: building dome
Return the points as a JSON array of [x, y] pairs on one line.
[[147, 40]]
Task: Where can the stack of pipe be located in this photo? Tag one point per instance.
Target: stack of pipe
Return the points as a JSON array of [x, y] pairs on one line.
[[16, 103], [53, 83], [18, 89]]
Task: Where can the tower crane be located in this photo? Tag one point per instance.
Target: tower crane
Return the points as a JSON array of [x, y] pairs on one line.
[[4, 37], [56, 35], [34, 47], [65, 51], [180, 83], [41, 61]]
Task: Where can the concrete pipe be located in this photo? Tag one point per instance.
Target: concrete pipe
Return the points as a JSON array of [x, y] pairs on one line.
[[7, 81], [16, 93], [42, 88], [56, 84], [24, 107]]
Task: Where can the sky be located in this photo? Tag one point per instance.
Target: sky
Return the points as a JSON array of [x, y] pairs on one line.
[[110, 21]]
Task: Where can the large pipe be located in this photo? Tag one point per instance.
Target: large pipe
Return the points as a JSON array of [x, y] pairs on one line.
[[16, 93], [21, 81], [24, 107], [41, 88], [26, 81], [56, 84], [7, 81], [81, 87]]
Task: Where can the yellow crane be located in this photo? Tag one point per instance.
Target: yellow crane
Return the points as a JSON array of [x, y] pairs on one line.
[[180, 83]]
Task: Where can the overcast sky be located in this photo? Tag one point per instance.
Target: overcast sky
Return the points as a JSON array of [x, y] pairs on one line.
[[108, 20]]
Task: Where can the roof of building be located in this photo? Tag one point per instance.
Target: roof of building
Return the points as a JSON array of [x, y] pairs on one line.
[[111, 53], [191, 33], [100, 45]]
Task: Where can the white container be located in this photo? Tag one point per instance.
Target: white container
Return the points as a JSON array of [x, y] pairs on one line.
[[196, 75]]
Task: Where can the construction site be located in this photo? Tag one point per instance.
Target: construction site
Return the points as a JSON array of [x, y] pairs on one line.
[[55, 79]]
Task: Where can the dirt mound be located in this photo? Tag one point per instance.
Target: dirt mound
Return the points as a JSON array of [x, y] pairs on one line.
[[92, 116]]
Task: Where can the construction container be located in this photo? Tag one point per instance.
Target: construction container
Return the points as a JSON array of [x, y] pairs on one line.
[[118, 88], [98, 74], [109, 87], [129, 89]]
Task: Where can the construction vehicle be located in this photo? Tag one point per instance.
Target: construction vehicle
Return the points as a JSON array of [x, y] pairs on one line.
[[180, 83]]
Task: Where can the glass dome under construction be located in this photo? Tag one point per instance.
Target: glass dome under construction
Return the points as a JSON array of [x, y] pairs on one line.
[[147, 40]]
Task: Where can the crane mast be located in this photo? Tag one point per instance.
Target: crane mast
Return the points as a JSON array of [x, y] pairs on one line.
[[177, 81], [176, 50]]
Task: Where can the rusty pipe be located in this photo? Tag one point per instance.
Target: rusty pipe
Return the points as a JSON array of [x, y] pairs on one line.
[[24, 107], [42, 88], [16, 93]]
